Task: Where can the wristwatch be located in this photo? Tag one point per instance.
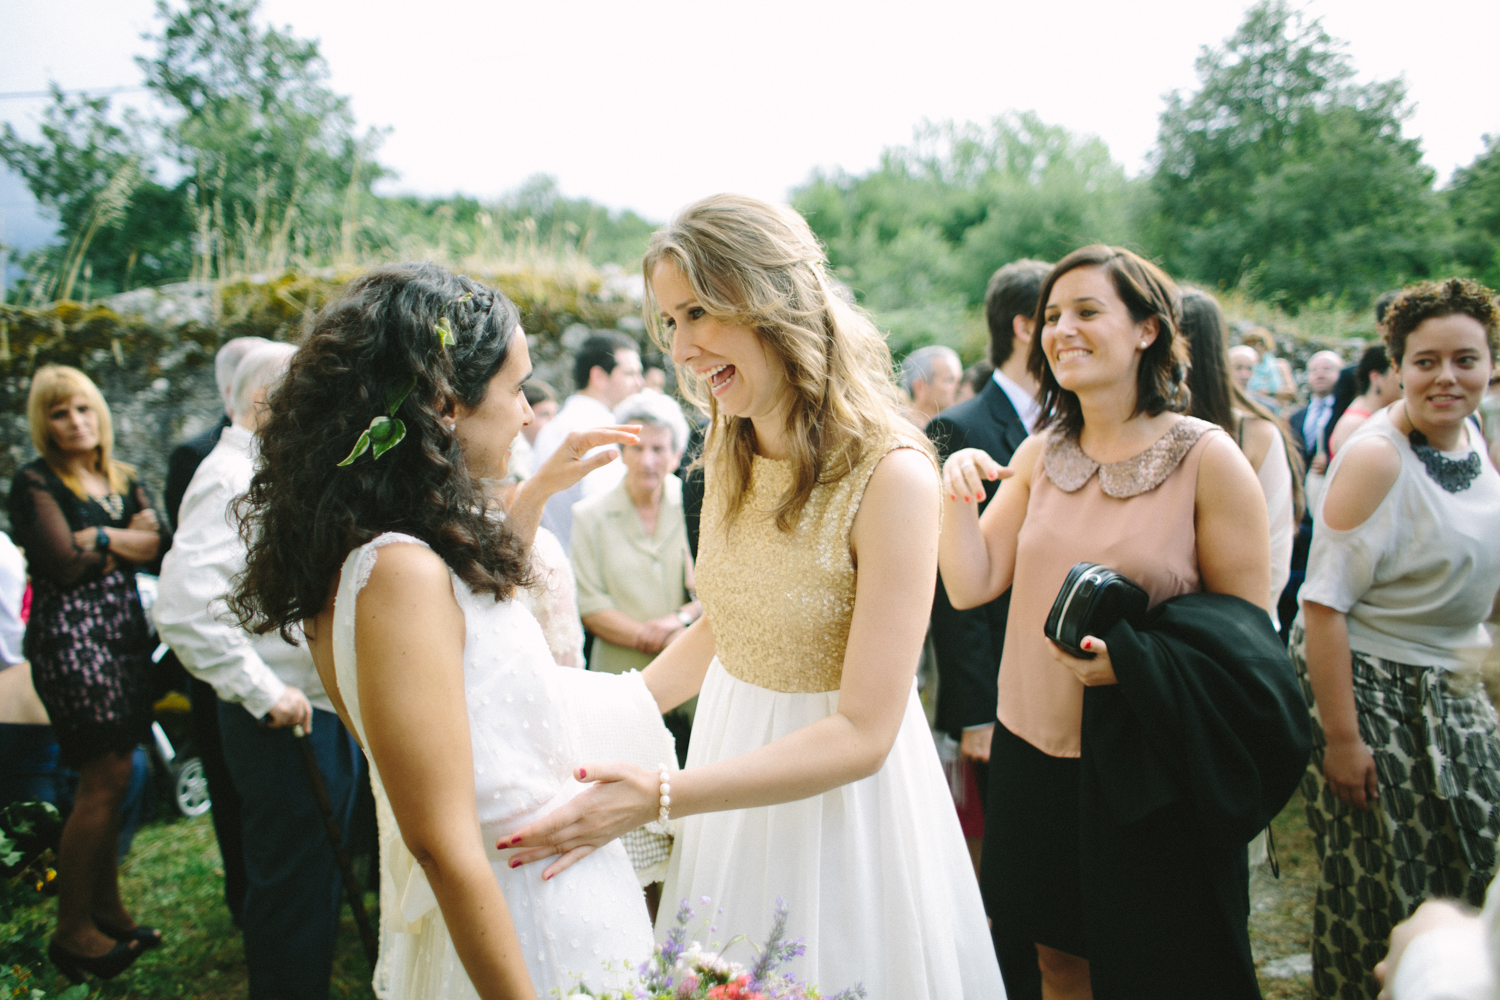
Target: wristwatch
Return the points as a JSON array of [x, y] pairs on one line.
[[684, 617], [101, 540]]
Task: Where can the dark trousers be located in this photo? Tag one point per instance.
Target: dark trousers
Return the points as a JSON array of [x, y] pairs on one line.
[[294, 890], [228, 823]]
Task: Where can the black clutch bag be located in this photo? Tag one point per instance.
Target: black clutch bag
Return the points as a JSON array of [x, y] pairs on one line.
[[1092, 599]]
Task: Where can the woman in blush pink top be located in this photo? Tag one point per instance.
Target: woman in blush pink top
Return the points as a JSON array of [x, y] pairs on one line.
[[1118, 476]]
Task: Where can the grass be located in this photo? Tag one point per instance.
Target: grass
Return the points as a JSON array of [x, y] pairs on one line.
[[172, 880], [1281, 910]]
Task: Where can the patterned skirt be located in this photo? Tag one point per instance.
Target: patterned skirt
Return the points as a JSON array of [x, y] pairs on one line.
[[1431, 833], [90, 652]]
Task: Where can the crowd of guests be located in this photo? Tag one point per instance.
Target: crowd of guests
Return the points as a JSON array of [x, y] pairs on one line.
[[1319, 550]]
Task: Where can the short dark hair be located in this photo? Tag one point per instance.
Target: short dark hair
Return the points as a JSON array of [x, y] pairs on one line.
[[1161, 382], [1012, 292], [1384, 302], [1434, 299], [1374, 359], [599, 352], [538, 391]]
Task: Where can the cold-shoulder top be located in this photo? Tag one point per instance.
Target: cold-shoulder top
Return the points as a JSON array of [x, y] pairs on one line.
[[780, 602]]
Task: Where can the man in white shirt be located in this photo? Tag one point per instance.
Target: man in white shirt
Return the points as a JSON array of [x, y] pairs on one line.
[[607, 369], [265, 687], [930, 377]]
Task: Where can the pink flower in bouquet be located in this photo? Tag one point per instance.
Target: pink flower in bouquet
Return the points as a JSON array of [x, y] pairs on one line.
[[738, 989]]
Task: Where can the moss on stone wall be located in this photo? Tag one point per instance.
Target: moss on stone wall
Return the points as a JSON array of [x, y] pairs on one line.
[[157, 375]]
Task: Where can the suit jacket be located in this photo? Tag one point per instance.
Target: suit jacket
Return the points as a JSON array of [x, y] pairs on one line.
[[183, 462], [1294, 424], [968, 643]]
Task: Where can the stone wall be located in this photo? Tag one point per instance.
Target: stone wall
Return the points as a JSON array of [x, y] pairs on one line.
[[151, 351]]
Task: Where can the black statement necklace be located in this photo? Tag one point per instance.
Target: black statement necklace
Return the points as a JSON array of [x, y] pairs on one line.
[[1453, 474]]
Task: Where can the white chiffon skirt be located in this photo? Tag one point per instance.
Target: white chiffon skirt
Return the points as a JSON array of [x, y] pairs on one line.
[[586, 926], [875, 873]]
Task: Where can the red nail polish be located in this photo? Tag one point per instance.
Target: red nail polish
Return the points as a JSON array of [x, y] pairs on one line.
[[515, 863], [546, 878], [1088, 644], [582, 774]]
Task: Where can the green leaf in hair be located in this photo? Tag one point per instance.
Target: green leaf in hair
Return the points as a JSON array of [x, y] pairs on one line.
[[445, 332]]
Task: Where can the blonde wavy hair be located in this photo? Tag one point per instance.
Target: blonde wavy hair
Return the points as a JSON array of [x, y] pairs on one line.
[[758, 265], [53, 384]]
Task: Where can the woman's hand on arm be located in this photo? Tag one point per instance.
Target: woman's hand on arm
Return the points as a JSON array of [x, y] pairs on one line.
[[409, 638], [894, 540], [677, 674], [562, 469], [977, 555]]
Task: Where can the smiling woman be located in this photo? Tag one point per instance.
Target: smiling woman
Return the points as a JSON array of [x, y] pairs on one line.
[[1121, 478], [811, 773], [1403, 571]]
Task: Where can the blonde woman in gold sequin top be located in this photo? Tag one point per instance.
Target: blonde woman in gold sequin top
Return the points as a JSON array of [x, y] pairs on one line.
[[812, 776]]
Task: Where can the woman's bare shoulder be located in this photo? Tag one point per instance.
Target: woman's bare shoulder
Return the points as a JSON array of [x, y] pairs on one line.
[[1368, 468], [406, 571]]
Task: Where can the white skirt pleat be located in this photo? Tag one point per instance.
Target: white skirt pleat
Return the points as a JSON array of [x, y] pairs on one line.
[[875, 873]]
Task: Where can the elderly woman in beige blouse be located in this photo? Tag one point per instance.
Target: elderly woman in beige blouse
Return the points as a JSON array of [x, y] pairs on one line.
[[630, 554]]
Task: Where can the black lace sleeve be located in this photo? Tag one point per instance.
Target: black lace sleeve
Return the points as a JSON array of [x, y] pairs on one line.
[[141, 500], [42, 529]]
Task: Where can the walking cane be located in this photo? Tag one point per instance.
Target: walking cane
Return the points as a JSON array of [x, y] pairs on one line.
[[346, 868]]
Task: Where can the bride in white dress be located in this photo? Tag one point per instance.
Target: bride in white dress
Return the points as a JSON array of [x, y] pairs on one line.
[[811, 773], [406, 583]]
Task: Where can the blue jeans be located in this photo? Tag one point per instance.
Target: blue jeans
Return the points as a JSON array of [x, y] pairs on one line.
[[294, 890]]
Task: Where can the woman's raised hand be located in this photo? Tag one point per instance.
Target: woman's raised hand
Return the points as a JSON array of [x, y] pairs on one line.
[[572, 461], [622, 797], [966, 472]]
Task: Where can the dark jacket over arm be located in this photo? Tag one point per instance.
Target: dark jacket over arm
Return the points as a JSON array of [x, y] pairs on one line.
[[968, 643], [1198, 746]]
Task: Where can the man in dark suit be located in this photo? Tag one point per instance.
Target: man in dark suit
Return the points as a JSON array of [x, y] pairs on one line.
[[228, 825], [968, 643]]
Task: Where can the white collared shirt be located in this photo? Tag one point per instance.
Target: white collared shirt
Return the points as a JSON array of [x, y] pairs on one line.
[[196, 576], [1027, 408], [1319, 409]]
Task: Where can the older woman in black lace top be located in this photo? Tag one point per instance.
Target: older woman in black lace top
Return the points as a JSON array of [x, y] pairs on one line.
[[86, 524]]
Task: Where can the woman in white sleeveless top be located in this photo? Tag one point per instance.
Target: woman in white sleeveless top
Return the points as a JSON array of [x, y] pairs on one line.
[[372, 530], [1403, 789]]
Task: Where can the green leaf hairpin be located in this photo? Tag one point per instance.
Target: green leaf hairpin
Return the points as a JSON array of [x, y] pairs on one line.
[[386, 430], [445, 332]]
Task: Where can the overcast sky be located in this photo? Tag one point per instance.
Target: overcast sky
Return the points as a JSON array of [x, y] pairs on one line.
[[652, 105]]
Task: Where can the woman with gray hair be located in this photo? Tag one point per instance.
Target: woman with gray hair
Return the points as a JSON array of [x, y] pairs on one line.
[[630, 552]]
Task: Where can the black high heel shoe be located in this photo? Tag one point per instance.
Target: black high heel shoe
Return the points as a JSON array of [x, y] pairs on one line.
[[145, 937], [105, 966]]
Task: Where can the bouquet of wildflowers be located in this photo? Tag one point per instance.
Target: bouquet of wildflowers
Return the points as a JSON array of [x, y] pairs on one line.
[[683, 969]]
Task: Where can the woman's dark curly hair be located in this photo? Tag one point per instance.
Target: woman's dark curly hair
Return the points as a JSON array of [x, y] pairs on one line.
[[1433, 299], [304, 513], [1161, 383]]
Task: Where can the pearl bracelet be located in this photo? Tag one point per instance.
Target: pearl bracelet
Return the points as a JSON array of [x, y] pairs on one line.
[[666, 794]]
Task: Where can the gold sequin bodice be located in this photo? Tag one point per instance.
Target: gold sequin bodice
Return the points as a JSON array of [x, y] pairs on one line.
[[780, 602]]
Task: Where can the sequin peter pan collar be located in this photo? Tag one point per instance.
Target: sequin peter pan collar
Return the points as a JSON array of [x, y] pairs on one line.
[[1069, 468]]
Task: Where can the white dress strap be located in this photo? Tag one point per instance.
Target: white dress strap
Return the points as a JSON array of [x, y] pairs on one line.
[[406, 898]]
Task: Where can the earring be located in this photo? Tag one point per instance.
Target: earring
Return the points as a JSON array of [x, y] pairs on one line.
[[1144, 345]]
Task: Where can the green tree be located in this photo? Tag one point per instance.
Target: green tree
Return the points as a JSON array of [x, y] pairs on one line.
[[114, 216], [937, 217], [274, 166], [1474, 197], [1283, 176]]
